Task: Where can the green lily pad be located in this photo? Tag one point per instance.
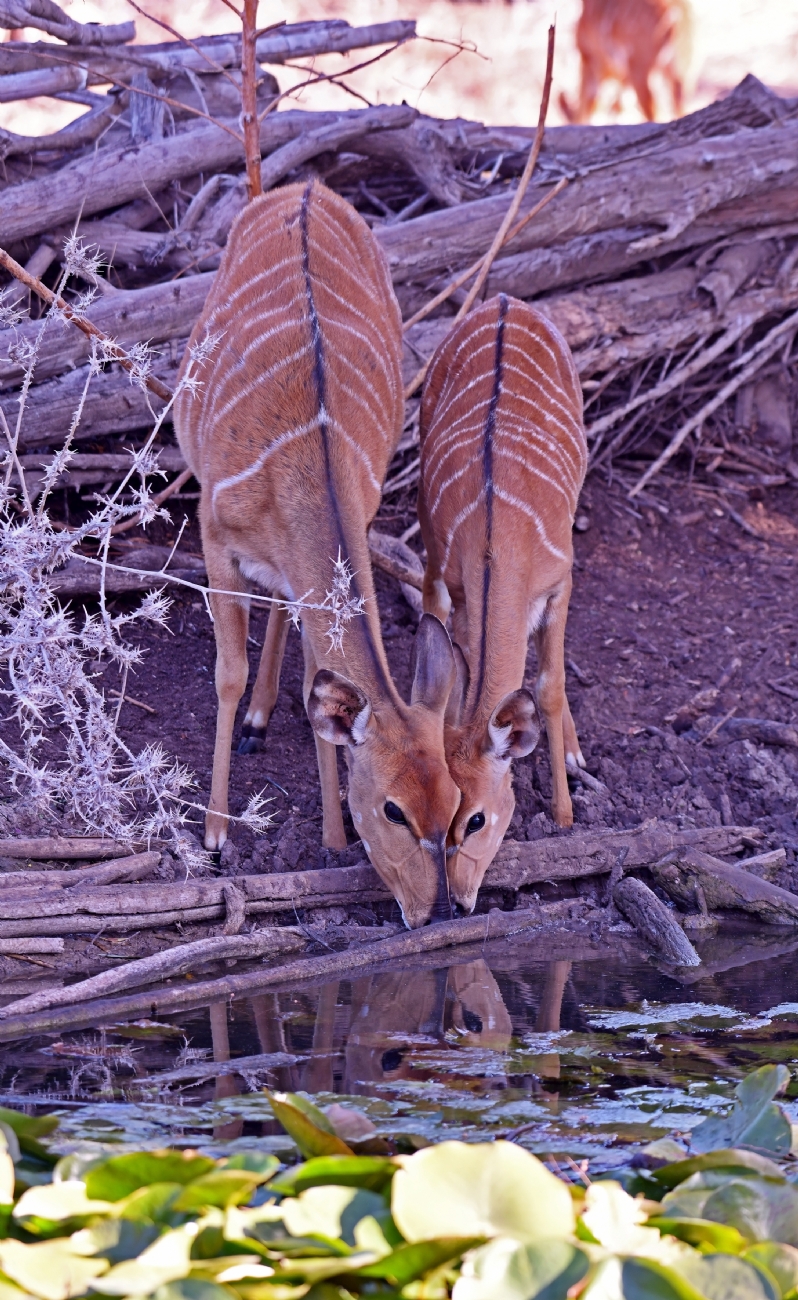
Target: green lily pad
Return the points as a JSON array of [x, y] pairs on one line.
[[372, 1172], [504, 1268], [313, 1139], [754, 1120], [701, 1232], [48, 1269], [330, 1212], [759, 1209], [114, 1179], [221, 1187], [479, 1190], [777, 1259], [727, 1277], [727, 1159], [166, 1260]]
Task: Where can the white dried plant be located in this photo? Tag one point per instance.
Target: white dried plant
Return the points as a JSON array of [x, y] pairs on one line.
[[68, 768]]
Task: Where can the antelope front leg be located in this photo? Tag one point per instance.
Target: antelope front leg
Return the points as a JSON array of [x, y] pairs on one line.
[[551, 700], [267, 682], [333, 835], [230, 623]]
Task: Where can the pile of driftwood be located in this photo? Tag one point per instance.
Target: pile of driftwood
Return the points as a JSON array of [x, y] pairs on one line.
[[667, 254]]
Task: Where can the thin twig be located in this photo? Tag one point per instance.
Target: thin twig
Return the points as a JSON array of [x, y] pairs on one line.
[[249, 101], [158, 500], [113, 350], [464, 276], [764, 350], [511, 213]]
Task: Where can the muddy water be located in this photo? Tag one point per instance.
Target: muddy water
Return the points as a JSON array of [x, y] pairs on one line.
[[585, 1056]]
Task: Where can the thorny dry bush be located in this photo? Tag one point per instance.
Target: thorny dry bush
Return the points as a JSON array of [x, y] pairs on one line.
[[71, 770]]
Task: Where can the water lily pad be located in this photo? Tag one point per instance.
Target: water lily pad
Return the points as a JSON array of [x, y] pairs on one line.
[[371, 1172], [514, 1272], [728, 1160], [57, 1201], [166, 1260], [222, 1187], [116, 1178], [727, 1277], [480, 1190], [313, 1139], [779, 1260], [330, 1212], [761, 1210], [49, 1269], [754, 1120]]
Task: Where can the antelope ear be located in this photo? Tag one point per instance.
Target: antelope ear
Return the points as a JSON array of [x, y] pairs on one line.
[[456, 700], [433, 665], [513, 730], [338, 710]]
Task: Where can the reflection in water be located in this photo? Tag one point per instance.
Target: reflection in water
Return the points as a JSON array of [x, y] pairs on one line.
[[225, 1085], [583, 1053], [395, 1012]]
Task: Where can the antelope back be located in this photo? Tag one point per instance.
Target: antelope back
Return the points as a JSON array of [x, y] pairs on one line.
[[503, 457], [301, 404], [299, 412]]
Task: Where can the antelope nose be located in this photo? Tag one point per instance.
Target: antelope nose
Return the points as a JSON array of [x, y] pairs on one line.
[[442, 907]]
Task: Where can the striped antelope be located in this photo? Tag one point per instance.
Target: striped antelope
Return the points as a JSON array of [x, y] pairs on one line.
[[503, 457], [299, 412]]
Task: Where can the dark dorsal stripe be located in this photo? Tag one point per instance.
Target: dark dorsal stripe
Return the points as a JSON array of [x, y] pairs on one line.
[[487, 469], [319, 384]]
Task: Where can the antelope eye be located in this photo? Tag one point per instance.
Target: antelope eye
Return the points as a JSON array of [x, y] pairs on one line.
[[394, 814], [475, 823]]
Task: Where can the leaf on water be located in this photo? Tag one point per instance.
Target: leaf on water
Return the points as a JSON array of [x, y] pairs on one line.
[[194, 1288], [759, 1209], [637, 1279], [701, 1232], [515, 1272], [780, 1261], [28, 1125], [114, 1239], [615, 1220], [728, 1160], [166, 1260], [754, 1120], [479, 1190], [48, 1269], [222, 1187], [371, 1172], [313, 1138], [118, 1177], [256, 1162], [727, 1277], [57, 1201], [152, 1204], [330, 1212]]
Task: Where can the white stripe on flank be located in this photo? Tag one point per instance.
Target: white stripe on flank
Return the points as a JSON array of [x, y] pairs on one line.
[[459, 519], [526, 509], [288, 435]]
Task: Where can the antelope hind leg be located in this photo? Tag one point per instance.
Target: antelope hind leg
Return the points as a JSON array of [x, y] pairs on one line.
[[230, 624], [551, 700], [267, 682]]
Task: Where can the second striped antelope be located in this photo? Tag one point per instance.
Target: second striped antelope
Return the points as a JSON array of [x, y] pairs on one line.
[[290, 435], [503, 458]]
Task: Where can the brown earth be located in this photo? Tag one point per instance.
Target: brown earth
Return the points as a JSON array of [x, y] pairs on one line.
[[666, 597]]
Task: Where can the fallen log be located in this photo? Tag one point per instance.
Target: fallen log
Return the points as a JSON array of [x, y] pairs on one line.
[[240, 1065], [205, 55], [163, 965], [764, 731], [331, 966], [652, 920], [135, 170], [724, 886], [54, 847], [10, 947], [518, 863], [118, 869]]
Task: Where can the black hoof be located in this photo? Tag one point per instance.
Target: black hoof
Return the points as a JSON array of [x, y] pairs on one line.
[[252, 740]]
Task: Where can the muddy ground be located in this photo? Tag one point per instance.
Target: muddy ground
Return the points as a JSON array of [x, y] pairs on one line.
[[666, 596]]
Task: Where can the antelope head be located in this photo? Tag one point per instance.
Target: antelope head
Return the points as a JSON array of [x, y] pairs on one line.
[[401, 793], [480, 760]]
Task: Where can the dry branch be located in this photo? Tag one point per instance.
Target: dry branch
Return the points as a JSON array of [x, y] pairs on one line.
[[725, 886], [518, 863], [46, 16], [118, 869], [58, 849], [653, 922], [163, 965]]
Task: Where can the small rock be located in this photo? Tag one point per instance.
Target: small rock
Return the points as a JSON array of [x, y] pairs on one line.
[[582, 523]]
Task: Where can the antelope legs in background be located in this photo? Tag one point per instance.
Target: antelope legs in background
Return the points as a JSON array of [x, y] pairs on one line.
[[267, 682]]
